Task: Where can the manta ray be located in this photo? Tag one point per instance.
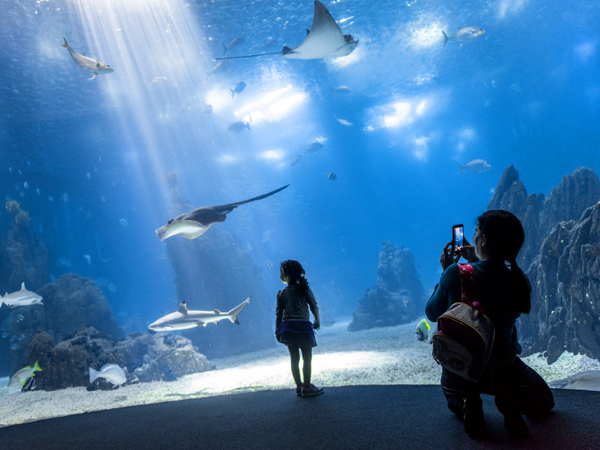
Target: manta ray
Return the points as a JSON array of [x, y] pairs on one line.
[[195, 223], [324, 40]]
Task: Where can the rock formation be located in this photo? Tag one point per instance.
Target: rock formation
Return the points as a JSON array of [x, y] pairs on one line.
[[560, 256], [143, 357], [398, 296]]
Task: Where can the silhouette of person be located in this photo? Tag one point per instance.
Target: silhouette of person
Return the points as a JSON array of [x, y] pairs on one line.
[[292, 324], [504, 291]]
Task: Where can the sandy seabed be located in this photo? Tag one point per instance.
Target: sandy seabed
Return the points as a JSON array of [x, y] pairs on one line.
[[390, 355]]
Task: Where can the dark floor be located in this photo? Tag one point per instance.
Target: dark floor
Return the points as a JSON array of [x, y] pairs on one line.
[[357, 417]]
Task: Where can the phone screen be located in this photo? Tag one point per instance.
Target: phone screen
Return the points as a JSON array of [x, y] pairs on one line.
[[458, 234]]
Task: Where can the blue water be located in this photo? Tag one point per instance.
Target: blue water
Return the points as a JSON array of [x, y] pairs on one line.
[[87, 158]]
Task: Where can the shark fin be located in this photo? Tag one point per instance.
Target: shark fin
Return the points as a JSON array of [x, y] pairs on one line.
[[182, 308], [23, 286], [216, 311]]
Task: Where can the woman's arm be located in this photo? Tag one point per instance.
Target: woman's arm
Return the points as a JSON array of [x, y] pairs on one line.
[[445, 294]]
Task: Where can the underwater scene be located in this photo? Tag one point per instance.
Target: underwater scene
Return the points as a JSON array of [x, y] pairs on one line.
[[159, 159]]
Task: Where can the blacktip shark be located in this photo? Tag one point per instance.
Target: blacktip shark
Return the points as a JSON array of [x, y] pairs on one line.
[[21, 298], [195, 223], [466, 34], [324, 40], [93, 65], [184, 318]]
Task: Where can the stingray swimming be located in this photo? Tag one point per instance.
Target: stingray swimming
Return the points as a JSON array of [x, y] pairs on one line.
[[324, 40], [195, 223]]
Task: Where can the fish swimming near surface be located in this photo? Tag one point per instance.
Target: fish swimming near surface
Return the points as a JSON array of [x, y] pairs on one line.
[[466, 34], [22, 297], [184, 318], [332, 176], [195, 223], [93, 65], [110, 372], [588, 380], [238, 88], [422, 328], [475, 166], [238, 126], [22, 375], [324, 40]]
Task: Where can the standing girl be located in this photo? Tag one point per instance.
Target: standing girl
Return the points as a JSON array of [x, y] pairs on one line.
[[292, 323]]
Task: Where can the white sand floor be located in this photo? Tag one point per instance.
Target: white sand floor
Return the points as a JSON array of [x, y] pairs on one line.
[[389, 355]]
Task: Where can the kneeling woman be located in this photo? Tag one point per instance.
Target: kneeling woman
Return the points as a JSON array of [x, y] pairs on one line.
[[292, 324], [504, 292]]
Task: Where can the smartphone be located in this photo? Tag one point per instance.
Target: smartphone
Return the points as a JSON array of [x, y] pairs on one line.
[[458, 235]]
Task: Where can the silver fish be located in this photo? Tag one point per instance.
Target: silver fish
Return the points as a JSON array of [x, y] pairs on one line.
[[466, 34], [238, 126], [93, 65], [110, 372], [476, 166], [21, 376]]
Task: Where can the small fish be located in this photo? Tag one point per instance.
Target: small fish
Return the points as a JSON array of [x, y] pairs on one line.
[[314, 147], [233, 44], [93, 65], [238, 126], [466, 34], [157, 80], [88, 259], [110, 372], [341, 89], [344, 122], [332, 176], [269, 263], [238, 88], [421, 332], [21, 376], [476, 166], [123, 222]]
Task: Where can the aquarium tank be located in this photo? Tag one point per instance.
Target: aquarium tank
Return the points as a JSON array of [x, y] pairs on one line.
[[155, 152]]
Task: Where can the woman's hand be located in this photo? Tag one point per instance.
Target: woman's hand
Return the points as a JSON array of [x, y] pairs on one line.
[[449, 256], [316, 325], [468, 252]]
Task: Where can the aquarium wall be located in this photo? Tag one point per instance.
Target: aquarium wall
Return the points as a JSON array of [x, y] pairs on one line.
[[161, 152]]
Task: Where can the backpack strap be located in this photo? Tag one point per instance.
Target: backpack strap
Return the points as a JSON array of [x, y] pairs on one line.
[[467, 287], [466, 283]]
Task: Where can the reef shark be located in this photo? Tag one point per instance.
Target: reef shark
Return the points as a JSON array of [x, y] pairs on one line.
[[184, 318], [21, 298], [195, 223], [324, 40], [93, 65]]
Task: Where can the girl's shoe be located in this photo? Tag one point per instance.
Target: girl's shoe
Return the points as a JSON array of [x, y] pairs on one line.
[[299, 391], [311, 391]]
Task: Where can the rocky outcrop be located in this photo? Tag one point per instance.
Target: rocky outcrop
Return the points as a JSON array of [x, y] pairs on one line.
[[540, 214], [70, 304], [398, 296], [143, 357], [565, 279], [559, 257]]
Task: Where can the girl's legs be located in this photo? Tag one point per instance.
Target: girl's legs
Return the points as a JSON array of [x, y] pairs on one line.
[[307, 365], [295, 359]]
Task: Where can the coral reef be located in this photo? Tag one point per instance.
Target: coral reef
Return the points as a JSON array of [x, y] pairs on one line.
[[398, 296]]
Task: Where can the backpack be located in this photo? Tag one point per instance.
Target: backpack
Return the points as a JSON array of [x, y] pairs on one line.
[[465, 335]]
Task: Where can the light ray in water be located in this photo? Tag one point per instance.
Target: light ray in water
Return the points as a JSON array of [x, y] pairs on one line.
[[143, 40]]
